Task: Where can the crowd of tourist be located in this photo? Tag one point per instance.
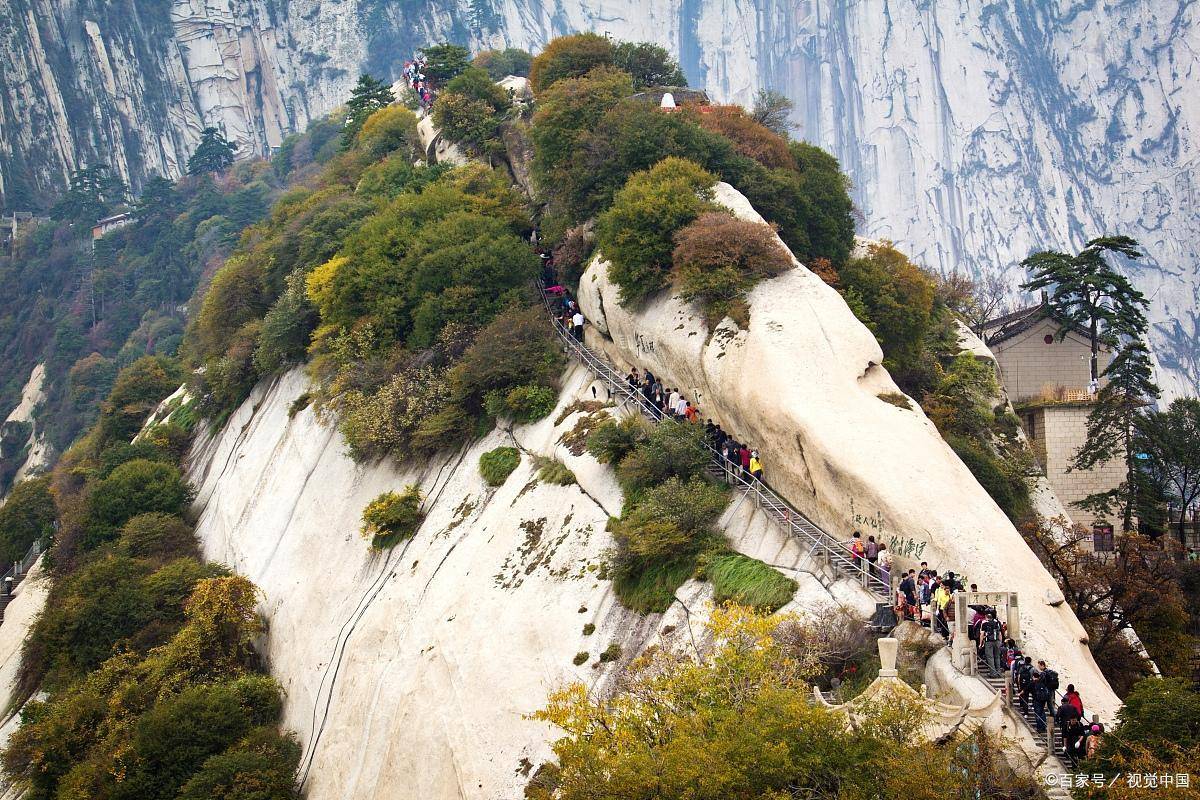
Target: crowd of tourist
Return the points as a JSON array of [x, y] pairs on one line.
[[923, 595], [414, 77]]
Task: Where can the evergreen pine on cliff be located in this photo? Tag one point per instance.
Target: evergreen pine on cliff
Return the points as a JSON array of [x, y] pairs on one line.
[[1111, 427], [213, 154], [1086, 292], [93, 192], [368, 96]]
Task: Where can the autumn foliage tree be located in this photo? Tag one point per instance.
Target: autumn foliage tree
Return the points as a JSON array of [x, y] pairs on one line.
[[718, 258], [569, 57], [750, 137], [734, 719], [1133, 589], [636, 233]]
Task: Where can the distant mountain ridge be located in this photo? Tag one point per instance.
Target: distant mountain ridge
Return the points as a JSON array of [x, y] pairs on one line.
[[974, 133]]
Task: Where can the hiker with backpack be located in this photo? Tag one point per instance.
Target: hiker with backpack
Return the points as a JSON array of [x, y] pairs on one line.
[[1040, 692], [856, 549], [1069, 719], [1024, 682], [991, 636], [1050, 680]]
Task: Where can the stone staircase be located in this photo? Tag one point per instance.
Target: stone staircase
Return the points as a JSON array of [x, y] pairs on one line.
[[17, 572], [821, 545], [1056, 761]]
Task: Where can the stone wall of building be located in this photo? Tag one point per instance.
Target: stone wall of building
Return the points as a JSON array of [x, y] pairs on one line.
[[1057, 432], [1030, 365]]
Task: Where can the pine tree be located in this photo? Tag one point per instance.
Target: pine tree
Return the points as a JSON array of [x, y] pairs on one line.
[[158, 199], [93, 192], [1169, 443], [1087, 293], [1111, 427], [445, 61], [213, 154], [368, 96]]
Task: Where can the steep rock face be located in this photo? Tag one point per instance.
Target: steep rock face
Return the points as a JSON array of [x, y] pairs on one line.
[[802, 385], [29, 598], [407, 674], [22, 456], [974, 133]]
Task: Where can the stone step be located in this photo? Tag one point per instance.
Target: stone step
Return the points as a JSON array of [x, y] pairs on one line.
[[777, 507]]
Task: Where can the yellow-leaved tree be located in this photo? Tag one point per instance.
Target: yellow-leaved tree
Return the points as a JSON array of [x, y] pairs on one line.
[[733, 718]]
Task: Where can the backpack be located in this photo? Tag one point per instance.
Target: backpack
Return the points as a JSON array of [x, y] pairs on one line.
[[1050, 678], [1024, 674], [1041, 692]]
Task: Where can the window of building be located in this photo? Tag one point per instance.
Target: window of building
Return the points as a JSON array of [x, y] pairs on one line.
[[1102, 538]]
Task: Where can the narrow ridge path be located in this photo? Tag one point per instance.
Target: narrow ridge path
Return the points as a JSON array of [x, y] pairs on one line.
[[822, 544]]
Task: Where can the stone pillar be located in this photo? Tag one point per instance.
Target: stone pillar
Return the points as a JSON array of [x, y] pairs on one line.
[[1014, 618], [888, 648]]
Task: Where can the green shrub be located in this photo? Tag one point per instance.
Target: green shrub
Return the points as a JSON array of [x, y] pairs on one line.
[[389, 129], [637, 233], [1009, 490], [496, 465], [177, 737], [396, 174], [551, 470], [135, 487], [579, 658], [748, 582], [719, 258], [112, 602], [391, 518], [566, 116], [286, 329], [475, 84], [649, 64], [611, 653], [523, 404], [673, 449], [26, 516], [611, 441], [302, 401], [516, 349], [502, 63], [898, 299], [157, 536], [589, 629], [569, 57], [672, 518], [469, 122], [118, 453], [384, 421], [444, 61], [260, 767], [138, 390], [649, 588]]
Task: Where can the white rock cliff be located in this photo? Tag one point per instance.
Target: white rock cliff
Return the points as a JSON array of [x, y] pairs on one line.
[[803, 385], [409, 674]]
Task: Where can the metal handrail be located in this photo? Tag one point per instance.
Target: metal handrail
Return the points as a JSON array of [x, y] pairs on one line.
[[22, 567], [840, 556]]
